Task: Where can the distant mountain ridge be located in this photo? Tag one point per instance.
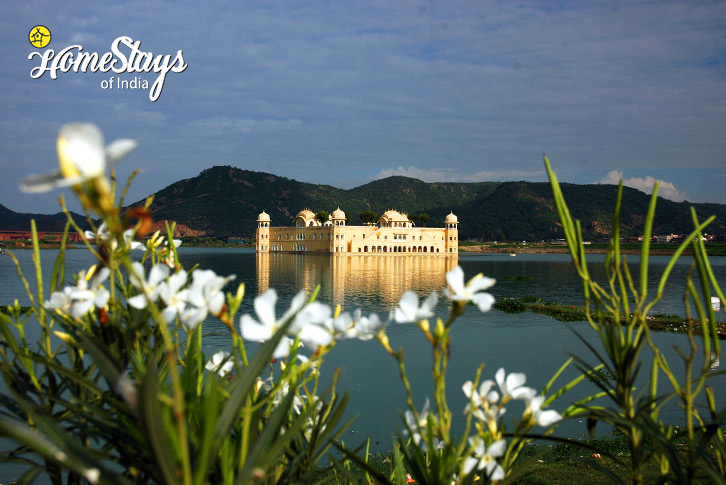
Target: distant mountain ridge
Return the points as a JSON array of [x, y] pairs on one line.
[[225, 201], [19, 221]]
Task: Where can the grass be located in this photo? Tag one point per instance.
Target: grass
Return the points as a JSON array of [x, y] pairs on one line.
[[6, 309], [567, 463], [714, 249], [576, 313]]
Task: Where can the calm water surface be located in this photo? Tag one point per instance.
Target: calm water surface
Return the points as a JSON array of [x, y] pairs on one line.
[[534, 344]]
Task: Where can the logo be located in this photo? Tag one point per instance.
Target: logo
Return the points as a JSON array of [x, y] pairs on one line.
[[39, 36], [125, 57]]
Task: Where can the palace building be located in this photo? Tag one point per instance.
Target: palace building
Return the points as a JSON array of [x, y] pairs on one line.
[[394, 233]]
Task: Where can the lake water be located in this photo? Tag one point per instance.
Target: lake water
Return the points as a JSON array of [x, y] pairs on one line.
[[534, 344]]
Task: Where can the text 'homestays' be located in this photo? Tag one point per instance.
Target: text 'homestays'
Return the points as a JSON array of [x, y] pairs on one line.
[[125, 57]]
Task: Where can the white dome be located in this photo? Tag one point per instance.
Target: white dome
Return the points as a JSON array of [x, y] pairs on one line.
[[338, 214], [451, 219]]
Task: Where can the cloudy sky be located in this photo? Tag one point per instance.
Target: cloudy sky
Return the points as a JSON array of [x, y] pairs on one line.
[[342, 93]]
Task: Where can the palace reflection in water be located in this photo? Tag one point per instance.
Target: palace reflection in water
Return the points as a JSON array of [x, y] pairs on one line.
[[355, 278]]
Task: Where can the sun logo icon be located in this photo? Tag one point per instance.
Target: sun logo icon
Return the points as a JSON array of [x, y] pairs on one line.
[[39, 36]]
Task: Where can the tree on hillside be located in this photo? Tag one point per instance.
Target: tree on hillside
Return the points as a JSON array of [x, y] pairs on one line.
[[368, 217], [322, 216], [424, 218]]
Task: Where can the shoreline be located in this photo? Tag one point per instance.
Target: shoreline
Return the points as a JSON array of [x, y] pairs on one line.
[[482, 248], [559, 250]]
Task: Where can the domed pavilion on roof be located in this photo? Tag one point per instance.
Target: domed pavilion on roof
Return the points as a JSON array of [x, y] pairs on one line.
[[394, 233]]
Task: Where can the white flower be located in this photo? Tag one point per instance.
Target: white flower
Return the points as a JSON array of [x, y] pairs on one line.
[[86, 297], [543, 418], [483, 458], [341, 326], [171, 293], [357, 326], [103, 234], [149, 288], [80, 299], [81, 156], [409, 311], [470, 291], [157, 240], [512, 385], [310, 325], [251, 329], [60, 300], [205, 295], [484, 397], [220, 363], [420, 427], [415, 426], [129, 241], [365, 328], [127, 390], [297, 401], [92, 475]]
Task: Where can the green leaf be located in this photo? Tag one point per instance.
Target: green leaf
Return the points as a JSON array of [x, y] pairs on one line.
[[271, 444], [241, 387], [209, 408], [57, 445], [153, 426]]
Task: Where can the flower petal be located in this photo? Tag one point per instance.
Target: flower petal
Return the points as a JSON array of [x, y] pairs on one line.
[[138, 302], [406, 310], [283, 348], [118, 149], [484, 301], [455, 279], [41, 182], [430, 302], [80, 150], [296, 304], [480, 282], [547, 418], [515, 380], [250, 329], [315, 336], [265, 307], [497, 448]]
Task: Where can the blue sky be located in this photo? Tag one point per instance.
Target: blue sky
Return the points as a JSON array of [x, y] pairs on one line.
[[342, 93]]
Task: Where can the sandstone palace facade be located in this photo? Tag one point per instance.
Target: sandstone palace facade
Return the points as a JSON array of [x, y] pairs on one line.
[[394, 233]]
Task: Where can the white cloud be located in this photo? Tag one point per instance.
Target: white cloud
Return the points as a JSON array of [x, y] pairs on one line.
[[451, 175], [665, 189], [83, 38], [229, 125]]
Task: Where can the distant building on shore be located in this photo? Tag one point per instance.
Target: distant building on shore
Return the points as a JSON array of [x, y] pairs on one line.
[[394, 233], [43, 236]]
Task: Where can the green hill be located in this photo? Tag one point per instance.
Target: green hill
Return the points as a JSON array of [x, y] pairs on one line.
[[19, 221], [224, 201]]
